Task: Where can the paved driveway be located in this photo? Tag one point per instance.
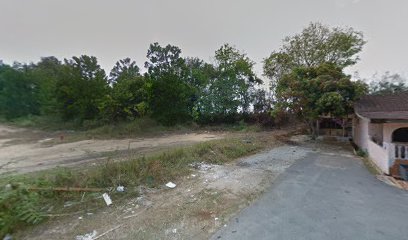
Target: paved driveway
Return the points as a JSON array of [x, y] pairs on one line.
[[328, 194]]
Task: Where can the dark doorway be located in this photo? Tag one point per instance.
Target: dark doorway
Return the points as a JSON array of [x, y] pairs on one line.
[[400, 135]]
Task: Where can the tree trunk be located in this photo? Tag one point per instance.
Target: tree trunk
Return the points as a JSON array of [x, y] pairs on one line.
[[312, 128]]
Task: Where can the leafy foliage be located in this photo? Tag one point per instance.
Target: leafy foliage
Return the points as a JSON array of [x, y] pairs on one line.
[[388, 83], [18, 91], [81, 89], [128, 94], [323, 90], [124, 69], [18, 206], [315, 45], [174, 90], [171, 93], [230, 89]]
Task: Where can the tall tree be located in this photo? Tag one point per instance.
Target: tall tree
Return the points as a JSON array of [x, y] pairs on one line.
[[47, 73], [315, 45], [82, 88], [18, 91], [128, 96], [229, 90], [124, 69], [313, 91], [170, 94], [164, 60]]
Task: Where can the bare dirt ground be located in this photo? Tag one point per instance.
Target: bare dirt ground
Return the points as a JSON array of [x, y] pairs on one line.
[[24, 150], [200, 204]]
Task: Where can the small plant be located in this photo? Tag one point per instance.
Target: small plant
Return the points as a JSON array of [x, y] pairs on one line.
[[362, 153], [19, 207]]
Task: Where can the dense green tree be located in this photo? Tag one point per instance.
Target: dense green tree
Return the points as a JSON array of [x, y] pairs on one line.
[[315, 45], [229, 91], [313, 91], [128, 96], [82, 88], [47, 73], [18, 91], [164, 60], [170, 99], [197, 73], [124, 69], [261, 101], [171, 96]]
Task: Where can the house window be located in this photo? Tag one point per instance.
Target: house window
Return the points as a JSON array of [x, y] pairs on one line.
[[400, 135]]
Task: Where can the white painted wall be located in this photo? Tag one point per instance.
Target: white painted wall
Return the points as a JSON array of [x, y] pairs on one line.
[[379, 156], [360, 135], [363, 130]]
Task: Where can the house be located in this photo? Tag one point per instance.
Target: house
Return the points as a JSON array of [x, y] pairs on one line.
[[380, 128]]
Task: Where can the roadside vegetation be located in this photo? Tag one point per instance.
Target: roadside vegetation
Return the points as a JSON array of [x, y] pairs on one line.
[[173, 93], [31, 198]]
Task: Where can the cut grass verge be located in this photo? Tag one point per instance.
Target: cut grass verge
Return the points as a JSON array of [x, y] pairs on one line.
[[21, 207]]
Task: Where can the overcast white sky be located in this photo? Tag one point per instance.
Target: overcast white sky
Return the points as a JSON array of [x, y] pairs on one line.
[[115, 29]]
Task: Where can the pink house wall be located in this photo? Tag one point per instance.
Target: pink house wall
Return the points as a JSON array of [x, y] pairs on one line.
[[389, 128]]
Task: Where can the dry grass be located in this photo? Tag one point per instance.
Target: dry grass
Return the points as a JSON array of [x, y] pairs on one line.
[[152, 171]]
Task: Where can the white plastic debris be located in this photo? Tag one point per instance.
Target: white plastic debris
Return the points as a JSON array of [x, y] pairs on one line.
[[107, 199], [193, 175], [80, 218], [171, 185], [120, 188], [216, 219], [174, 230], [8, 237], [88, 236]]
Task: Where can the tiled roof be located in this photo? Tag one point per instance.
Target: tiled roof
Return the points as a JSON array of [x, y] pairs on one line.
[[391, 106]]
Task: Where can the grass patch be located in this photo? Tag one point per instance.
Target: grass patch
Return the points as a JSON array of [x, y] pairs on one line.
[[370, 166], [140, 127], [366, 160], [20, 207]]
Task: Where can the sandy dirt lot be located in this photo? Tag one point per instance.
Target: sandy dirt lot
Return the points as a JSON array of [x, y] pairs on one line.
[[201, 203], [23, 150]]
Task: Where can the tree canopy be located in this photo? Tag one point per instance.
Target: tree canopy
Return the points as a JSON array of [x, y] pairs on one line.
[[231, 87], [388, 83], [323, 90], [306, 74], [315, 45]]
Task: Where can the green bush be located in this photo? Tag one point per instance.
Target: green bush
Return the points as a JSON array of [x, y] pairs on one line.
[[19, 207], [362, 153]]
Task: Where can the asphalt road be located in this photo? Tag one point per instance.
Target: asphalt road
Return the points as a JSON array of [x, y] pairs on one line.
[[326, 195]]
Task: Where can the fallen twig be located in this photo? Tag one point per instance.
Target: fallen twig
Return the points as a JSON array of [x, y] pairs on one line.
[[134, 215], [66, 189], [110, 230]]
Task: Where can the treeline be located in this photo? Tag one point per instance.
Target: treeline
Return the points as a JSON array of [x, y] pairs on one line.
[[306, 76], [172, 90]]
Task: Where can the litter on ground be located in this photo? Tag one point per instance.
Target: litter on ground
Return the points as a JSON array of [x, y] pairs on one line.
[[107, 199], [88, 236], [171, 185]]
